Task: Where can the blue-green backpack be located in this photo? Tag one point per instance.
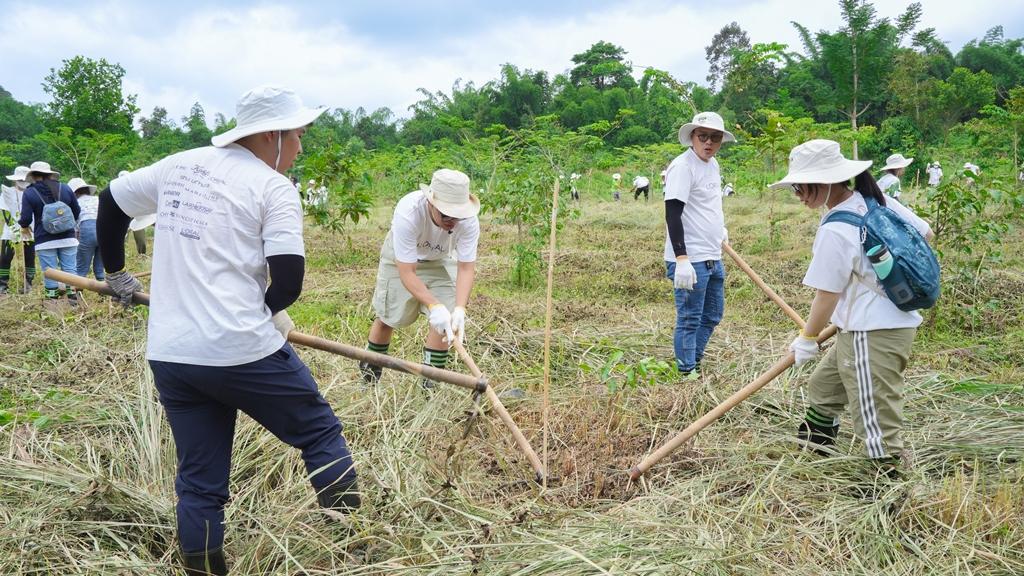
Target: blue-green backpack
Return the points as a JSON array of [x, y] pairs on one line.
[[913, 282]]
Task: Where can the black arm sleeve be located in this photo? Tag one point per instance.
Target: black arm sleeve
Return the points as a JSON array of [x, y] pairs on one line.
[[286, 273], [111, 228], [674, 220]]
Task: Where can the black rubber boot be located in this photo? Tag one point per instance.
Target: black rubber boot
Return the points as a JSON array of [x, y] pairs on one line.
[[205, 563], [814, 433], [341, 497]]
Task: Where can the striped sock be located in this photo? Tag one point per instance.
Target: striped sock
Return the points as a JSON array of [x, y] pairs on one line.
[[378, 348], [435, 358], [820, 419]]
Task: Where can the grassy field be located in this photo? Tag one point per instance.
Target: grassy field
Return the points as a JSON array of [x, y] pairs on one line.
[[87, 462]]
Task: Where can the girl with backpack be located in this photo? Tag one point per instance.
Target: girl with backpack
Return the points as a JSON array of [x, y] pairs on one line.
[[865, 367], [47, 202]]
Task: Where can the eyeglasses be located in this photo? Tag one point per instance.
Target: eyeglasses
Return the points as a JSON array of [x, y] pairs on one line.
[[715, 137], [449, 218], [797, 190]]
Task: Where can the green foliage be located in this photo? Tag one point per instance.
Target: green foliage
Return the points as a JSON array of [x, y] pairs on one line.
[[602, 66], [337, 167], [618, 374], [86, 94], [88, 154]]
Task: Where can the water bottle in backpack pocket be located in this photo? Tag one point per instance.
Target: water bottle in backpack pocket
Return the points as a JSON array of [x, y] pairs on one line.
[[57, 216], [905, 264]]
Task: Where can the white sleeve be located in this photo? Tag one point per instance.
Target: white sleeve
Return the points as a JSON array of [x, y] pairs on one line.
[[403, 237], [678, 182], [832, 260], [468, 240], [907, 214], [137, 193], [282, 221], [9, 199]]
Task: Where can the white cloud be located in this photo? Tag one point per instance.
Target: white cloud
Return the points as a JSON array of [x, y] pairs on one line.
[[213, 54]]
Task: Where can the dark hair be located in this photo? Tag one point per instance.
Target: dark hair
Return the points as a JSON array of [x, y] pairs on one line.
[[868, 188], [54, 187], [83, 191]]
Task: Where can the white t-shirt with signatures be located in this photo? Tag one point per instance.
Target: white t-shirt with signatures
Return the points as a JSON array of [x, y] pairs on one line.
[[220, 213]]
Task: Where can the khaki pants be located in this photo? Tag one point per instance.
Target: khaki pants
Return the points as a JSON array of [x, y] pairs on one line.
[[865, 370], [393, 304]]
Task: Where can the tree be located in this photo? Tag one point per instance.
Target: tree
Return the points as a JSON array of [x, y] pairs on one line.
[[602, 66], [17, 120], [87, 95], [195, 124], [156, 123], [723, 50], [1003, 59]]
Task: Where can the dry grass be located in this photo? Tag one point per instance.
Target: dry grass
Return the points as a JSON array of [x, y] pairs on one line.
[[87, 463]]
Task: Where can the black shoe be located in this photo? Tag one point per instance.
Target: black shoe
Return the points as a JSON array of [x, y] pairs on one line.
[[817, 434], [371, 373], [341, 497], [205, 563], [3, 290], [73, 298]]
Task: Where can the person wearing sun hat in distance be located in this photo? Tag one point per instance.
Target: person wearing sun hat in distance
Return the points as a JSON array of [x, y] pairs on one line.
[[418, 273], [228, 221], [10, 212], [696, 230], [865, 366], [893, 170]]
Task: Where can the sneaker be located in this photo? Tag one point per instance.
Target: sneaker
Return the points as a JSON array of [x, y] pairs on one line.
[[73, 299], [370, 373], [3, 291], [689, 375], [817, 436]]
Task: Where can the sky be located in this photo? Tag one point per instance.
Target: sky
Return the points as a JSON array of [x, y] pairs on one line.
[[378, 53]]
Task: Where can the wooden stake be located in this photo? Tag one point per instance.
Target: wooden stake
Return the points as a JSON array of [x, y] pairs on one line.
[[764, 287], [503, 414], [731, 402], [547, 321]]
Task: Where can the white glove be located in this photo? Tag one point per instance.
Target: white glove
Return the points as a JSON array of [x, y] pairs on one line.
[[459, 323], [283, 323], [685, 276], [804, 348], [725, 235], [441, 321]]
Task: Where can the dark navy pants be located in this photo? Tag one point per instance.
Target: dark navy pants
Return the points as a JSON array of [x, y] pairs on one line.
[[202, 402]]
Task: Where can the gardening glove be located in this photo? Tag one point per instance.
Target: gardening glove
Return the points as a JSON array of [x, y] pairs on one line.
[[459, 323], [441, 321], [804, 348], [124, 285], [725, 235], [283, 323], [685, 276]]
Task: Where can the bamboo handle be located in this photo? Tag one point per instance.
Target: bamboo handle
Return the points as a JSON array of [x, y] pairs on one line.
[[764, 287], [728, 404], [503, 414]]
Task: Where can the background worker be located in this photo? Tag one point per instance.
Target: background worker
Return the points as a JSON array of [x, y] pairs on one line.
[[417, 272], [54, 248], [693, 242], [889, 182], [641, 184], [88, 248], [10, 213], [934, 171], [229, 221]]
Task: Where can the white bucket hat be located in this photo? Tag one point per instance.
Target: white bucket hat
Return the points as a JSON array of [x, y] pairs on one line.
[[19, 174], [449, 193], [820, 162], [896, 161], [41, 168], [708, 120], [265, 109], [76, 183]]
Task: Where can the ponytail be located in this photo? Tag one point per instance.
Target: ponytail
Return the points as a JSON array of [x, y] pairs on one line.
[[868, 188]]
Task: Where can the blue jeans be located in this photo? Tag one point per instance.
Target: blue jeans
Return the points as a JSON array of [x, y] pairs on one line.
[[50, 257], [202, 402], [89, 250], [698, 311]]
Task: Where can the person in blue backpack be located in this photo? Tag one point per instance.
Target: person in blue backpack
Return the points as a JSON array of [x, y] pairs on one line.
[[54, 232], [865, 366]]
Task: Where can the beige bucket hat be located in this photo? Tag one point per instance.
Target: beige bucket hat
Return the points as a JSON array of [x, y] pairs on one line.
[[449, 193], [820, 162], [710, 120], [41, 168], [896, 161], [20, 173], [76, 183], [266, 109]]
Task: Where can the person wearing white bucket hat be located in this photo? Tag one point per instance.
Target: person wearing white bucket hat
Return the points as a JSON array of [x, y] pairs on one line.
[[228, 222], [695, 231], [88, 248], [10, 212], [417, 272], [934, 171], [51, 208], [865, 367], [893, 170]]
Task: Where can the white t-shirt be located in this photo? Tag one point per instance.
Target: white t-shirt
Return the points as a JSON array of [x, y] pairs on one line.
[[641, 181], [417, 239], [934, 175], [10, 201], [90, 205], [698, 184], [220, 213], [889, 184], [839, 255]]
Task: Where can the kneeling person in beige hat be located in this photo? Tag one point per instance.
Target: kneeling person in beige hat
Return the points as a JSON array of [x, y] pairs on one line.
[[427, 264]]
